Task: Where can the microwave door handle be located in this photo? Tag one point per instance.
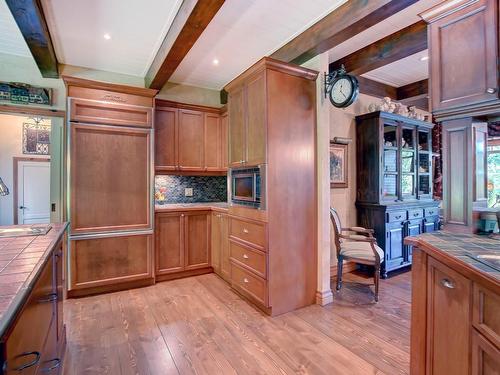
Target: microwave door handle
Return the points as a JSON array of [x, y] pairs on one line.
[[254, 187]]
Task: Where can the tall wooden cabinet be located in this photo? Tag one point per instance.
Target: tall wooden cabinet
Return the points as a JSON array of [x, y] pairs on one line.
[[394, 182], [464, 56], [271, 109], [110, 186], [220, 245], [189, 139]]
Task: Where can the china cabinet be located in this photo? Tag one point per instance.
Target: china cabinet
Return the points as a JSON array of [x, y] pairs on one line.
[[394, 179]]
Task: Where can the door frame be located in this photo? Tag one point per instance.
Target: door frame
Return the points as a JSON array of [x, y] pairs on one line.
[[16, 160]]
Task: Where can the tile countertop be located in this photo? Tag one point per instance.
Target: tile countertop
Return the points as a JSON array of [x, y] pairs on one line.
[[21, 261], [463, 248], [172, 207]]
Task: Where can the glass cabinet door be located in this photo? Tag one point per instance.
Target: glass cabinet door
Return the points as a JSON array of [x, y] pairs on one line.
[[390, 166], [424, 164], [408, 161]]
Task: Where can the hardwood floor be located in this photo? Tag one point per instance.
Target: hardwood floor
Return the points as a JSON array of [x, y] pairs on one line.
[[198, 325]]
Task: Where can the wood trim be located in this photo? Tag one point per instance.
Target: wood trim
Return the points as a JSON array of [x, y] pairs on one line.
[[347, 267], [15, 161], [76, 293], [124, 89], [160, 103], [169, 171], [186, 28], [31, 111], [182, 274], [272, 64], [444, 9], [340, 25], [413, 90], [30, 18], [376, 89], [418, 340], [394, 47]]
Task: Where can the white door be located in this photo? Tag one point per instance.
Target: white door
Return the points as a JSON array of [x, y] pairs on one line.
[[33, 196]]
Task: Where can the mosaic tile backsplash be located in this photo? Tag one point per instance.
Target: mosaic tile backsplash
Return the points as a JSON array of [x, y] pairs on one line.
[[170, 189]]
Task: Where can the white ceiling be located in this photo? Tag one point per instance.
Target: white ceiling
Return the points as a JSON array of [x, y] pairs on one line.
[[399, 73], [11, 39], [77, 28], [242, 32], [402, 72]]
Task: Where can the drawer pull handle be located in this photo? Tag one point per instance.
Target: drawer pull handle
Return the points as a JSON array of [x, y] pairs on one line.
[[246, 281], [448, 284], [50, 298], [26, 365], [57, 364], [398, 217], [245, 230], [415, 214], [491, 90], [245, 256]]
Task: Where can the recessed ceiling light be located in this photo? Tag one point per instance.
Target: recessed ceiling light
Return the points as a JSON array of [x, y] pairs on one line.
[[107, 36], [215, 62], [424, 58]]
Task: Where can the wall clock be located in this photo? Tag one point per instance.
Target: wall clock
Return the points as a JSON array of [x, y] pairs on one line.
[[341, 88]]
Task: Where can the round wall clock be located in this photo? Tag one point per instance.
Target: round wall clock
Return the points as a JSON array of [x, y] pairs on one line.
[[342, 88]]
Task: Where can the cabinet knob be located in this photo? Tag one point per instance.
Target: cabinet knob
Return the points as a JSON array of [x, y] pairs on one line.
[[245, 230], [491, 90], [182, 215], [447, 284], [245, 280], [245, 256]]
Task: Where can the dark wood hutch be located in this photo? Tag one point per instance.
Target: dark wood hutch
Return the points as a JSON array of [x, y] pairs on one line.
[[394, 182]]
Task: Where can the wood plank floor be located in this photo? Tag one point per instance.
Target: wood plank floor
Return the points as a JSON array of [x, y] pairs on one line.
[[198, 325]]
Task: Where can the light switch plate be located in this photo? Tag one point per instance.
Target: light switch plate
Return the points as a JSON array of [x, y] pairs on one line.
[[188, 192]]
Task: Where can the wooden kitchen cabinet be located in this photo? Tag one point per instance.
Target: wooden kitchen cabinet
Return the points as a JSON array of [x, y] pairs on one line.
[[224, 124], [182, 243], [485, 356], [220, 246], [463, 51], [247, 114], [191, 139]]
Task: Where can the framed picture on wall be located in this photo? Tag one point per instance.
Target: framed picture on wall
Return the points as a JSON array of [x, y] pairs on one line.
[[338, 165]]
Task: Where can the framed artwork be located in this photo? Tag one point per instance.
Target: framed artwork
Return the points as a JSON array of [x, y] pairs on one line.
[[36, 139], [338, 165]]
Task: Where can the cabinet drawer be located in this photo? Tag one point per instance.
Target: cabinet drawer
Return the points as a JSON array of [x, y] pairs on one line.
[[485, 356], [253, 233], [396, 216], [431, 211], [416, 213], [24, 345], [486, 313], [254, 259], [248, 283]]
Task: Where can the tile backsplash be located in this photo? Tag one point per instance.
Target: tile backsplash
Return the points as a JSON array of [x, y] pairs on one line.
[[170, 189]]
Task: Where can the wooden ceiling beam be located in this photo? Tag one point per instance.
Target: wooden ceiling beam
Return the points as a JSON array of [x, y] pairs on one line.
[[413, 90], [191, 20], [343, 23], [377, 89], [403, 43], [29, 16]]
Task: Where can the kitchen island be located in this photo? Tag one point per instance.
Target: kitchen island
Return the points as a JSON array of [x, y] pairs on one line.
[[32, 333], [455, 323]]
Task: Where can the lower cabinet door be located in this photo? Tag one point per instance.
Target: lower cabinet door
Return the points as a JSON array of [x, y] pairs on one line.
[[485, 356], [50, 361], [197, 240], [448, 320], [430, 224], [394, 254], [216, 241], [225, 263], [108, 261], [414, 228], [59, 290], [169, 245]]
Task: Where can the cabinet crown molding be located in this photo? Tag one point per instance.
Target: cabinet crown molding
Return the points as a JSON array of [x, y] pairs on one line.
[[118, 88], [445, 8]]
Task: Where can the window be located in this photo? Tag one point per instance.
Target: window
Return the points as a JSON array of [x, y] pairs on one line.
[[493, 158]]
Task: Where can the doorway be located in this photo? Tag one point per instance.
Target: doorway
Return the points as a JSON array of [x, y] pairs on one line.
[[31, 190]]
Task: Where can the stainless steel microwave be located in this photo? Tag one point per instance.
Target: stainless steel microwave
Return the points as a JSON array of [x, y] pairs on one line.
[[248, 186]]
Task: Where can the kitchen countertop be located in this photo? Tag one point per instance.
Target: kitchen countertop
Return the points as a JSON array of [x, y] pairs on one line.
[[21, 261], [172, 207], [463, 248]]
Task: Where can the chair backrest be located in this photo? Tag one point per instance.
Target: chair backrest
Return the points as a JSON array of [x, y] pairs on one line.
[[337, 228]]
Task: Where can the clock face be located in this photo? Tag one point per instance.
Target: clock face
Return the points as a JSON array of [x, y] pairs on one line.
[[344, 91]]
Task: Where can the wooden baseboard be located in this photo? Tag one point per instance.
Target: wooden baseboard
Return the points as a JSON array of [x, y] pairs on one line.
[[347, 267], [182, 274], [75, 293], [324, 298]]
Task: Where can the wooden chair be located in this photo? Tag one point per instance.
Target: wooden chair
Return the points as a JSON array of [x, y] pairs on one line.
[[360, 248]]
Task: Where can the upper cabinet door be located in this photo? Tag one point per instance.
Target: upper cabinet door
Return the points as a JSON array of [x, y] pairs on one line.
[[110, 178], [166, 157], [212, 142], [463, 56], [237, 128], [224, 140], [191, 140], [256, 119]]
